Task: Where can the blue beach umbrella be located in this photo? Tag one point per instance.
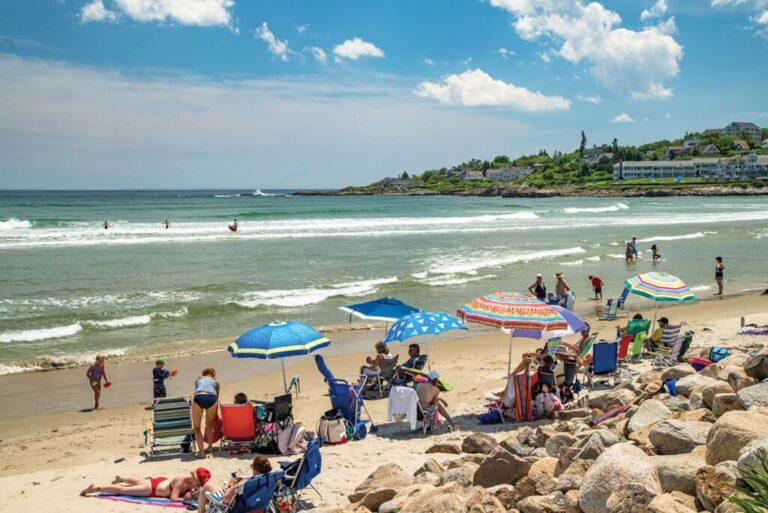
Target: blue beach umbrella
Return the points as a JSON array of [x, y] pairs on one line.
[[422, 323], [388, 309], [278, 340]]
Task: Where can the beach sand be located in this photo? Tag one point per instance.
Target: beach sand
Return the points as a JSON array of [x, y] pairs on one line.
[[49, 451]]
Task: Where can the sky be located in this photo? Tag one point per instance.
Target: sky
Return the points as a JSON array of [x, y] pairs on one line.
[[306, 94]]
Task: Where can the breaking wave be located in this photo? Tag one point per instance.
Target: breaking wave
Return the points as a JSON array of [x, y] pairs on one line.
[[291, 298], [595, 210]]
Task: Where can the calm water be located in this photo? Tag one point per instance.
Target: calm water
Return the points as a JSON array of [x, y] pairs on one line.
[[70, 288]]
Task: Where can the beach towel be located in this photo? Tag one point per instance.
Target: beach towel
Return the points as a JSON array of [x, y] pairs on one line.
[[753, 331], [613, 412], [146, 501], [523, 397]]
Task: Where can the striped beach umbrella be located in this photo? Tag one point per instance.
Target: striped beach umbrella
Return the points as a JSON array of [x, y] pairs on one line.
[[522, 315], [660, 287], [278, 340]]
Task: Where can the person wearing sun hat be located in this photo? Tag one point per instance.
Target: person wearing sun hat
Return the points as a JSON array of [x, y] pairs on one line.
[[563, 291], [159, 375]]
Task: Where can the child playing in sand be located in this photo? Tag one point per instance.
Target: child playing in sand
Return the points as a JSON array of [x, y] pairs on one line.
[[159, 375], [95, 374]]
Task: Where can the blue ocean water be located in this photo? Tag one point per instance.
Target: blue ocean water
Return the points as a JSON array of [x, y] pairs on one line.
[[70, 288]]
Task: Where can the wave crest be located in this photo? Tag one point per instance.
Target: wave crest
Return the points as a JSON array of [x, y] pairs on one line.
[[594, 210], [292, 298]]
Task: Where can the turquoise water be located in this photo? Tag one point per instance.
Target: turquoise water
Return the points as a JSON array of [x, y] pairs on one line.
[[70, 288]]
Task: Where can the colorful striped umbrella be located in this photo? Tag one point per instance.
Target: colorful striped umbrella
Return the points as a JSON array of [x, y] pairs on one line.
[[523, 315], [661, 287], [278, 340]]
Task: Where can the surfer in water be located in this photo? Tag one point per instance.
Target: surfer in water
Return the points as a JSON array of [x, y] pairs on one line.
[[167, 224], [106, 225]]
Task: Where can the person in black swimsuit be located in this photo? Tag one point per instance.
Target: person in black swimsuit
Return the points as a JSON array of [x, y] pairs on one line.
[[719, 268], [538, 288]]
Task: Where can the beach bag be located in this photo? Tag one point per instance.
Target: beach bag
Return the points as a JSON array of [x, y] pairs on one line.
[[291, 440], [332, 428], [717, 353], [492, 417], [546, 404]]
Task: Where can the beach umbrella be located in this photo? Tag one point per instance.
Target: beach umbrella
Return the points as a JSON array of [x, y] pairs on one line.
[[278, 340], [521, 315], [422, 323], [660, 287], [387, 309]]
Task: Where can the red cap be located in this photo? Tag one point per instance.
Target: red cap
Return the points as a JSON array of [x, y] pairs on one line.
[[203, 475]]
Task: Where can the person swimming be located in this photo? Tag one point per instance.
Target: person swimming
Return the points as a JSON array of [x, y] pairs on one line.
[[167, 224], [106, 225]]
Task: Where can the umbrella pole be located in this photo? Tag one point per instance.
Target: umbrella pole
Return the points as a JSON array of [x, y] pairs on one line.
[[655, 313], [429, 358], [285, 383], [509, 357]]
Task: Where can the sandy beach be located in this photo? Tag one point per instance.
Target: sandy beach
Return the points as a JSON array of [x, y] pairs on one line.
[[56, 450]]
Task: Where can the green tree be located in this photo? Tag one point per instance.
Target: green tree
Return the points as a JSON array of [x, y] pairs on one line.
[[500, 161], [615, 146], [583, 145], [404, 176]]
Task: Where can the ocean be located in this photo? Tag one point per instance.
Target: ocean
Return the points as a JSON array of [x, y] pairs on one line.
[[70, 288]]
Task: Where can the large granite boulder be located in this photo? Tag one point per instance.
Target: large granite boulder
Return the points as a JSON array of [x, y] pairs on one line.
[[678, 437], [403, 496], [500, 467], [518, 444], [463, 476], [678, 371], [481, 500], [558, 441], [754, 396], [738, 379], [444, 500], [677, 472], [444, 448], [430, 465], [386, 476], [619, 466], [631, 498], [619, 397], [757, 366], [667, 503], [748, 455], [693, 383], [709, 392], [716, 483], [650, 412], [478, 443], [732, 432], [723, 403]]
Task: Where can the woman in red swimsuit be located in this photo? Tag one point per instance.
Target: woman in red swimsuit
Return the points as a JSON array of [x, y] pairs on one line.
[[176, 489]]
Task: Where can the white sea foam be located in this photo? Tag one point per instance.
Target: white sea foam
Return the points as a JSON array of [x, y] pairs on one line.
[[595, 258], [125, 322], [700, 288], [453, 279], [616, 255], [15, 369], [473, 262], [574, 262], [40, 334], [14, 224], [697, 235], [595, 210], [292, 298]]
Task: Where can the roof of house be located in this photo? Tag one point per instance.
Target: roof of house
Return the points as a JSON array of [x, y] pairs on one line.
[[741, 143], [657, 163], [743, 124]]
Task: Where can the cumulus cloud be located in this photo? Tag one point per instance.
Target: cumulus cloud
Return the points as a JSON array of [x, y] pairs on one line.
[[277, 47], [623, 118], [318, 54], [185, 12], [654, 92], [301, 28], [475, 88], [658, 10], [593, 99], [355, 48], [545, 57], [631, 60], [763, 18], [95, 11], [760, 17]]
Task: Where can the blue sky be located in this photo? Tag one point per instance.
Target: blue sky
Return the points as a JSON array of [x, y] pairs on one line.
[[269, 94]]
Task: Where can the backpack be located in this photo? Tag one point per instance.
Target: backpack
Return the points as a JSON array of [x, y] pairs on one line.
[[492, 417], [717, 353]]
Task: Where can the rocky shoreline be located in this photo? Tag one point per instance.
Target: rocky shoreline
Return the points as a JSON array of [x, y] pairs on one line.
[[525, 191], [659, 454]]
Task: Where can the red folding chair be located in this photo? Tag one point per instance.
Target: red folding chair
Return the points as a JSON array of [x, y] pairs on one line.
[[238, 426], [624, 344]]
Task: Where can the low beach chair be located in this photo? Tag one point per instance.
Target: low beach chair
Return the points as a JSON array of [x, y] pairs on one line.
[[298, 476], [271, 418], [404, 404], [604, 362], [257, 495], [667, 357], [381, 381], [636, 349], [614, 305], [624, 344], [238, 427], [171, 425]]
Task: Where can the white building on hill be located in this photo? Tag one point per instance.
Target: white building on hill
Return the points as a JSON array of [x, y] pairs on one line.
[[727, 168]]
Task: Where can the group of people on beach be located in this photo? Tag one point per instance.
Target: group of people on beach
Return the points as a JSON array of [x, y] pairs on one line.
[[631, 252]]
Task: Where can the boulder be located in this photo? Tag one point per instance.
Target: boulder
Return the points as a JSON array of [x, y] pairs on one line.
[[678, 371], [514, 445], [723, 403], [714, 371], [543, 467], [543, 433], [710, 391], [757, 366], [649, 412], [677, 436], [678, 472], [430, 465], [693, 383], [481, 501], [556, 502], [557, 442], [500, 467], [427, 478], [403, 496], [619, 466], [631, 498], [697, 415], [620, 397], [696, 400], [462, 476], [479, 443], [666, 503], [715, 483], [568, 482], [375, 498], [467, 458], [443, 500], [676, 403], [506, 494], [444, 448], [578, 413], [689, 501], [738, 379], [754, 396], [732, 432], [386, 476], [591, 448], [748, 455], [650, 377]]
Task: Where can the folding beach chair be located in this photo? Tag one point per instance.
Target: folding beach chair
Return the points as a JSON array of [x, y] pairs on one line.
[[171, 426], [604, 362], [238, 427], [635, 352], [381, 381], [667, 357], [404, 403], [624, 344], [256, 494], [347, 399], [587, 347], [615, 305], [298, 476], [271, 418]]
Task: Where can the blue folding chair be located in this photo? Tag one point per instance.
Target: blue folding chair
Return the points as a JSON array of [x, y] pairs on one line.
[[615, 305], [605, 362], [298, 476], [346, 399], [256, 494]]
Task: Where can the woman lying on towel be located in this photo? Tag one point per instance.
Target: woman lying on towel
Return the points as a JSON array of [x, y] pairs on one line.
[[214, 492], [176, 489]]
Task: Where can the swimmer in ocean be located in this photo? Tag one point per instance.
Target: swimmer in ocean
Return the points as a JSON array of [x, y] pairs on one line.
[[106, 225], [167, 224]]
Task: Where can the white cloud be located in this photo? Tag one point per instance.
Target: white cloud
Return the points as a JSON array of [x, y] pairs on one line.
[[185, 12], [301, 28], [318, 54], [667, 26], [474, 88], [623, 118], [276, 46], [763, 18], [658, 10], [505, 53], [95, 11], [668, 115], [593, 99], [545, 57], [720, 3], [654, 92], [353, 49], [429, 62], [760, 18], [629, 60]]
